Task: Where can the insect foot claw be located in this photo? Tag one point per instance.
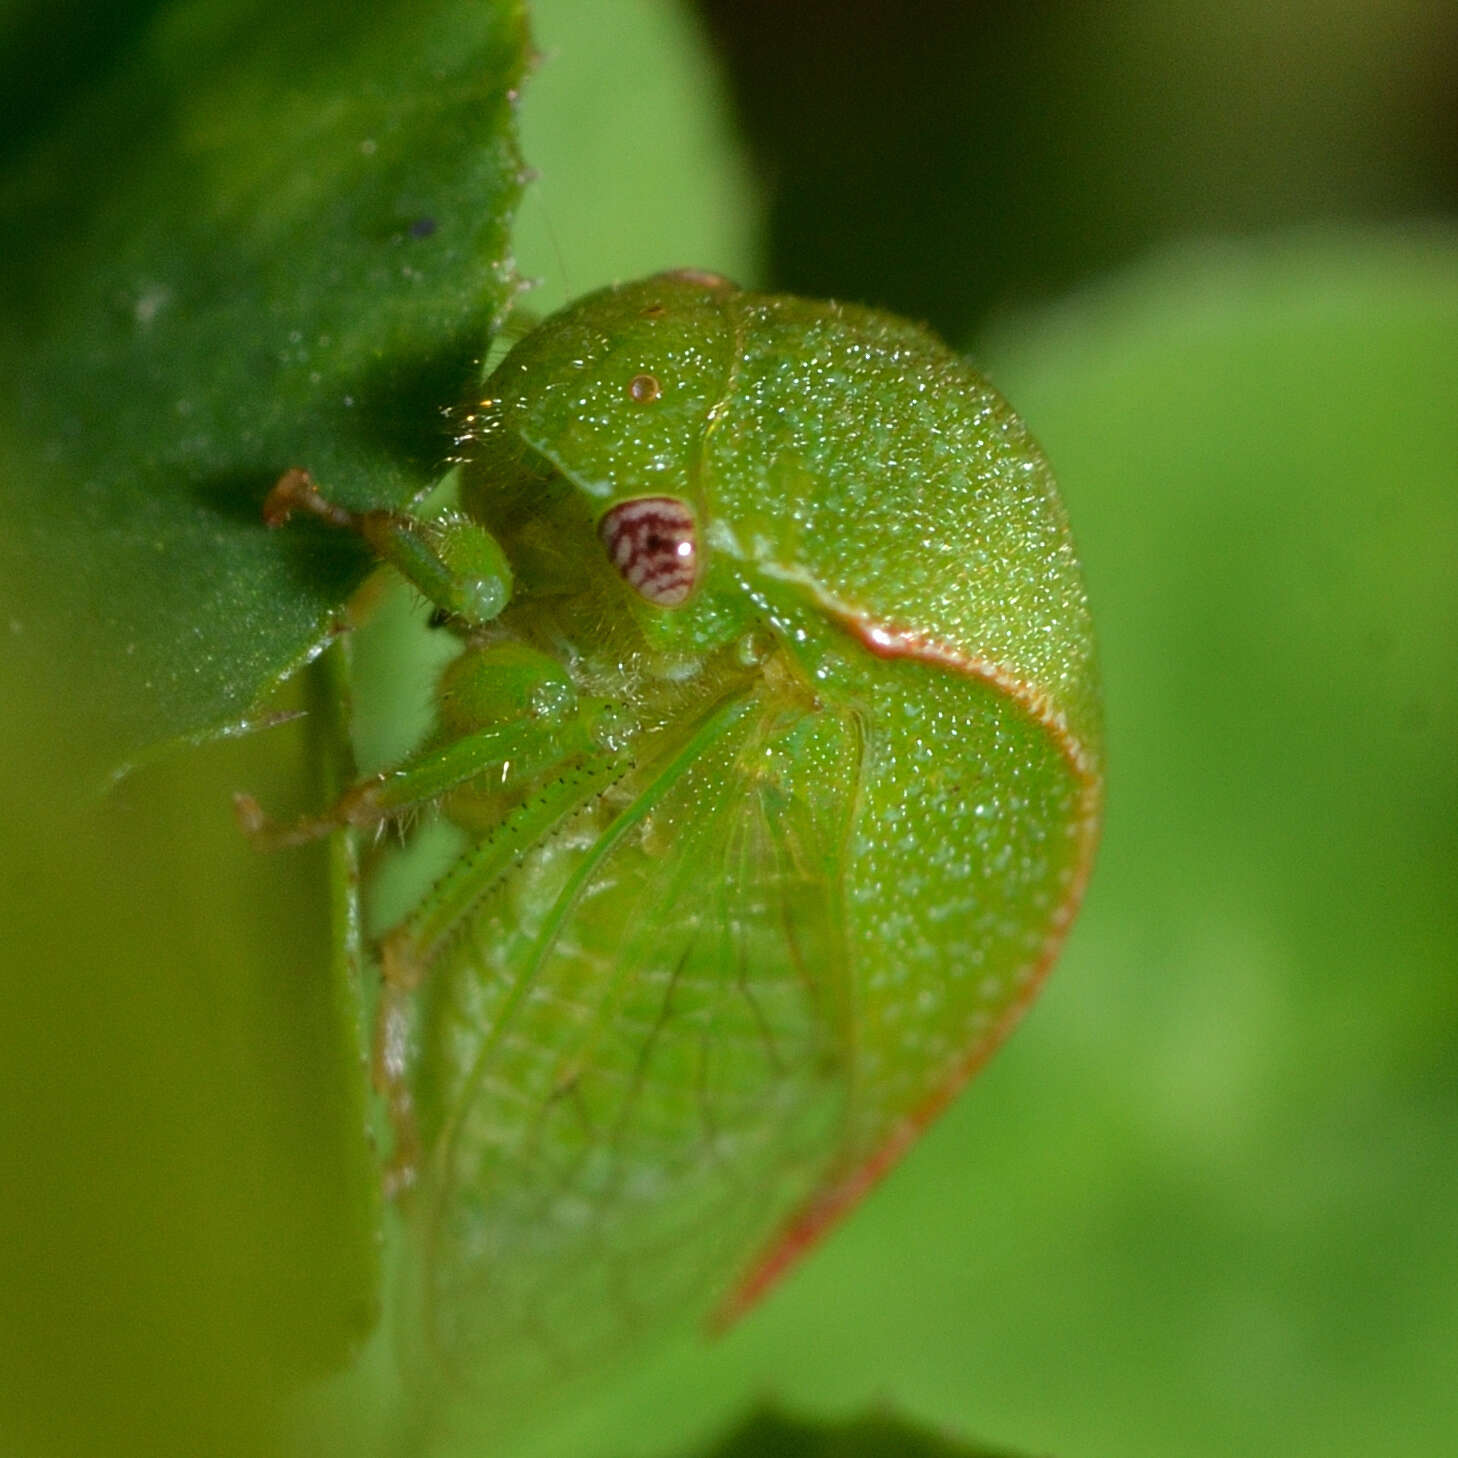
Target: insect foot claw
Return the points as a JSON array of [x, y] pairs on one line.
[[295, 491], [287, 496], [249, 814], [268, 834]]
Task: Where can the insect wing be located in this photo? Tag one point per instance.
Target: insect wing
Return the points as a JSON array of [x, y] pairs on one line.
[[648, 1032]]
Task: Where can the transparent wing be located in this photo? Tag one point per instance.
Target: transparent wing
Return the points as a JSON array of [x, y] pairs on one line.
[[646, 1038]]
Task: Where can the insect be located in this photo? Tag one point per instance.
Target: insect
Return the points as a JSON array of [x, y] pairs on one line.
[[776, 725]]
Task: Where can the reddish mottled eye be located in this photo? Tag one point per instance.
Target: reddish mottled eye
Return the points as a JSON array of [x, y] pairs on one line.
[[654, 543], [644, 388]]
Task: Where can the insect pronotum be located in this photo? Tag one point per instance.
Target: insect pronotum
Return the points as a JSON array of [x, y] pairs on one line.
[[777, 725]]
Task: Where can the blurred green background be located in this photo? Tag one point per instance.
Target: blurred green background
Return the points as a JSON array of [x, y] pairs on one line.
[[1204, 1201]]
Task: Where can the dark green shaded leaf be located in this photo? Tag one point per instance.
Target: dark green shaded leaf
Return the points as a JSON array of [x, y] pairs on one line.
[[273, 235]]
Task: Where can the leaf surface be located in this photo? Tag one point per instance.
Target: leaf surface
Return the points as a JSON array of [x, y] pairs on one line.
[[271, 235]]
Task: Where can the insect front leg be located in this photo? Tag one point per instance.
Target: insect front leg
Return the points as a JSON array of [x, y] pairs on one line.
[[460, 568], [454, 561]]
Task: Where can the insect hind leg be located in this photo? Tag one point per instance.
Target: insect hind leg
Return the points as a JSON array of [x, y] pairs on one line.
[[529, 736]]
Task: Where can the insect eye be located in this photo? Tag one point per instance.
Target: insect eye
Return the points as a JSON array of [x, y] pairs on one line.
[[644, 388], [654, 542]]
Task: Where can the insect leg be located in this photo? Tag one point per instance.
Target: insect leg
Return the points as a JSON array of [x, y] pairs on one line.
[[506, 754], [454, 561]]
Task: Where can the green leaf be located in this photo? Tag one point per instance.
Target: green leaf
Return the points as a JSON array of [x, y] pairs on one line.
[[271, 235], [191, 1233]]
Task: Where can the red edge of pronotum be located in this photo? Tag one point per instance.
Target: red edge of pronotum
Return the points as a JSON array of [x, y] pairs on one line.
[[807, 1228]]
